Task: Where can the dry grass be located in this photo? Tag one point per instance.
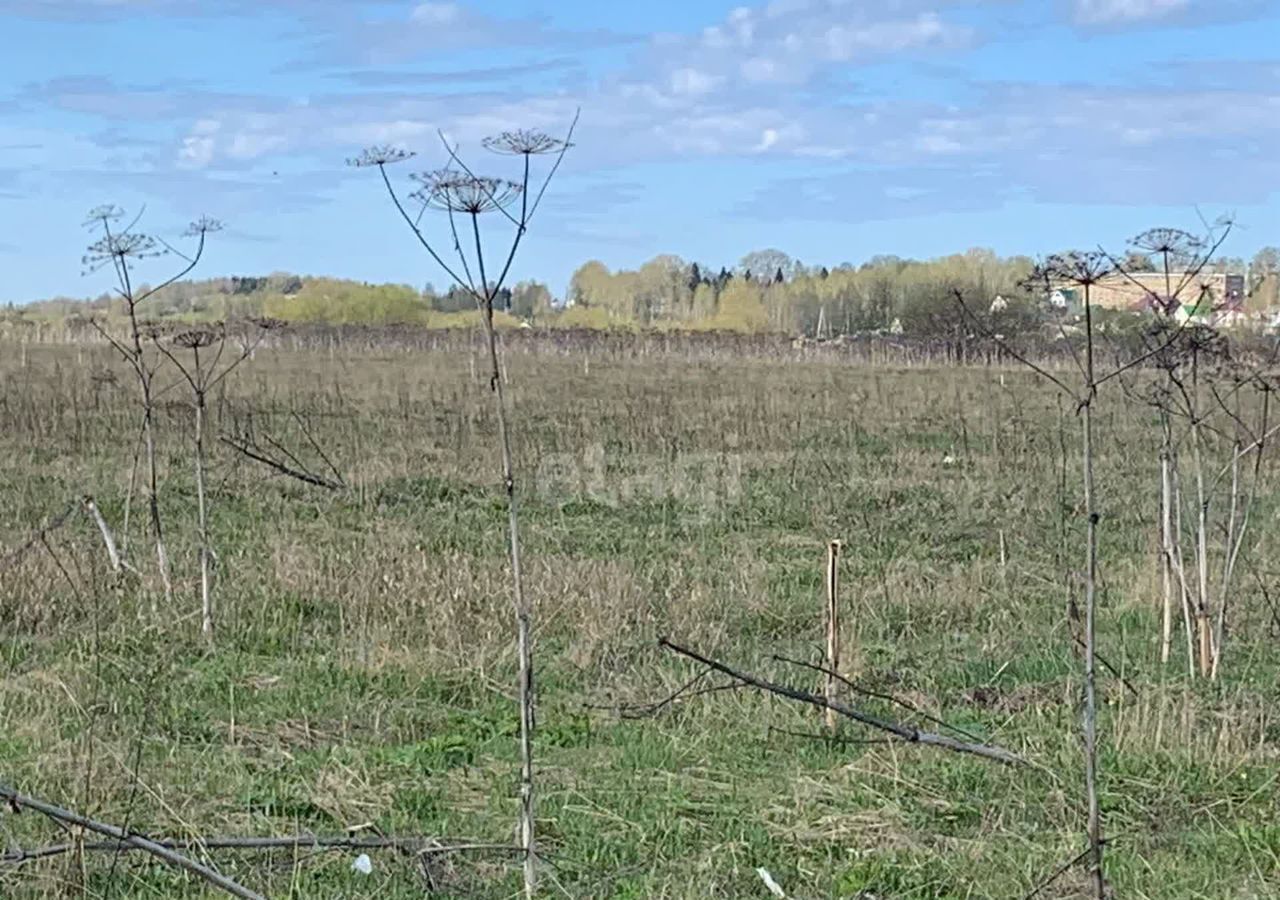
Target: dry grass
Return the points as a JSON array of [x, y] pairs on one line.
[[364, 668]]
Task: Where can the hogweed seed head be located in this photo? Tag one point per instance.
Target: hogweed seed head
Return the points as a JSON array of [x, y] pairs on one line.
[[99, 215], [1077, 267], [524, 142], [1171, 241], [196, 338], [379, 155], [120, 249], [461, 193], [202, 226]]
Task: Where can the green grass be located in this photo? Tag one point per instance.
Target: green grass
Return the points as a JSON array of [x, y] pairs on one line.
[[364, 672]]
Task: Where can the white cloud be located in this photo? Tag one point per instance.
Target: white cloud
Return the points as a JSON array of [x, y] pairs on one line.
[[200, 145], [693, 82], [744, 87], [787, 41], [436, 13], [435, 29], [1126, 12]]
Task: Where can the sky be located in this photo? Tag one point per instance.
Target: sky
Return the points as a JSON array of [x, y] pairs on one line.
[[834, 130]]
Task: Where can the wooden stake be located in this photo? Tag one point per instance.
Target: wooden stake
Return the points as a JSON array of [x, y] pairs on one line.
[[833, 628]]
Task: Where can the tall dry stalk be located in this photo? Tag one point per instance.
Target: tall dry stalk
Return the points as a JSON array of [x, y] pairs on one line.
[[460, 193], [1087, 278], [202, 375], [1166, 536], [122, 249], [1083, 271]]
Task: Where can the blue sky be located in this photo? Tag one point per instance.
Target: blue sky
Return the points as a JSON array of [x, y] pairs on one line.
[[832, 129]]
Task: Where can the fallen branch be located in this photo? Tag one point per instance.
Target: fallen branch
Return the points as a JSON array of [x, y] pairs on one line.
[[681, 694], [876, 695], [256, 454], [315, 445], [17, 553], [1110, 668], [903, 732], [418, 846], [828, 738], [1057, 873], [18, 801]]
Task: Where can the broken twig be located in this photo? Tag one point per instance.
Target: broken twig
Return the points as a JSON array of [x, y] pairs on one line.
[[903, 732], [19, 801]]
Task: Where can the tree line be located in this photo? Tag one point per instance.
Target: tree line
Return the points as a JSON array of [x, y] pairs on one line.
[[767, 291]]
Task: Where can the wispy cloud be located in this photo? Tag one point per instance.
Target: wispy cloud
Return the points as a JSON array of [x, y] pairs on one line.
[[786, 42], [752, 85], [1117, 14], [1112, 12], [438, 29], [9, 180], [105, 10], [871, 194], [383, 78]]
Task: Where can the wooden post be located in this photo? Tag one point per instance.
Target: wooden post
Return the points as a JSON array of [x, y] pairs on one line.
[[833, 627]]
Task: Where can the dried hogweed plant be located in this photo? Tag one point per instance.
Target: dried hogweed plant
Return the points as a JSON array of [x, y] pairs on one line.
[[1084, 272], [466, 197], [121, 249], [199, 355]]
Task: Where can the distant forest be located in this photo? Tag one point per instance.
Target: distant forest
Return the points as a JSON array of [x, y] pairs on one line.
[[765, 292]]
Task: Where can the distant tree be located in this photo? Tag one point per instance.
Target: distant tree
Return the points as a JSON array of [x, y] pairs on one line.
[[1264, 278], [882, 261], [1266, 262], [766, 261], [778, 277], [589, 284], [695, 277], [530, 300], [703, 306], [247, 285], [1138, 262], [741, 308], [746, 275], [824, 273], [456, 299], [660, 290]]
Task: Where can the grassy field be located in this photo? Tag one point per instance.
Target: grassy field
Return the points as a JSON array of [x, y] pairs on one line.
[[364, 669]]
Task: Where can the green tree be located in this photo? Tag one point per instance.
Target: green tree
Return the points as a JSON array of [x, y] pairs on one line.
[[530, 300], [741, 308]]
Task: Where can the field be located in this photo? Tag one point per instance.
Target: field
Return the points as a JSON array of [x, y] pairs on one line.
[[363, 670]]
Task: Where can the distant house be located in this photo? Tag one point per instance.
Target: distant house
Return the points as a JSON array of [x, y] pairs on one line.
[[1066, 300], [1158, 292]]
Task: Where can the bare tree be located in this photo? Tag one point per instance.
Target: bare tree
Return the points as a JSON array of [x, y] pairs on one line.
[[465, 198], [122, 249]]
